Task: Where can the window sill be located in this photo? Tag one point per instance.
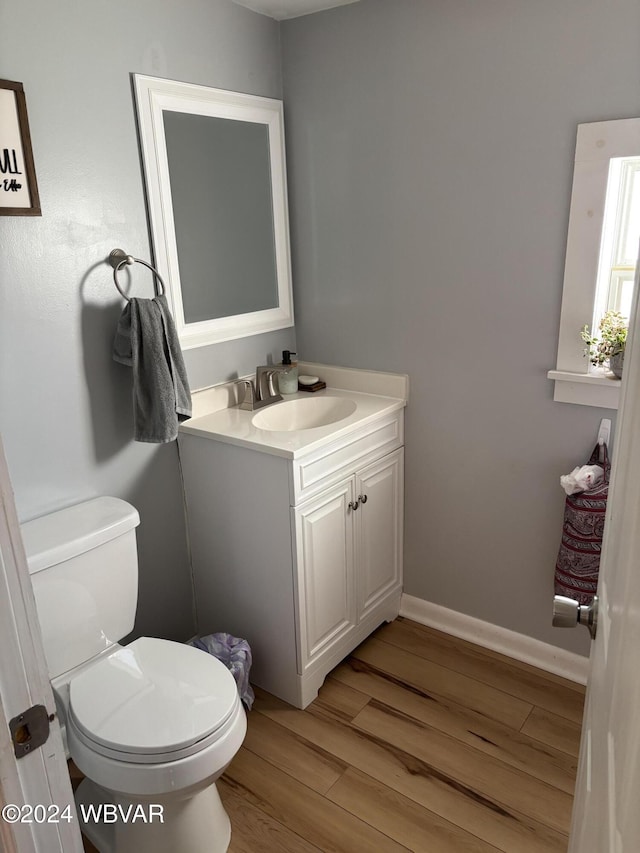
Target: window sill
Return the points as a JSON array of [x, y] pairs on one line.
[[599, 388]]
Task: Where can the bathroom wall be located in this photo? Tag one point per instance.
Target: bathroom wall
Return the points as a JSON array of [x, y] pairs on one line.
[[430, 149], [65, 410], [430, 165]]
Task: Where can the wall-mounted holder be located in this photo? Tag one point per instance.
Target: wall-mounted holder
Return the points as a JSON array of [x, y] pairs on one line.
[[119, 259], [604, 432]]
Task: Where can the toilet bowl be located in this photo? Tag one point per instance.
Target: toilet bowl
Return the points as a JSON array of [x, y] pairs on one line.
[[153, 724]]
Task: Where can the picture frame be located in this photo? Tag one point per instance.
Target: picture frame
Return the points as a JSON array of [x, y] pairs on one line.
[[18, 186]]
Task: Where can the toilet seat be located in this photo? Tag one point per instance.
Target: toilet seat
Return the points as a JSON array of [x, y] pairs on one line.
[[153, 701]]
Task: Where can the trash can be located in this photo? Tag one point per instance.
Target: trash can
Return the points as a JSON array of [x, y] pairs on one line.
[[235, 654]]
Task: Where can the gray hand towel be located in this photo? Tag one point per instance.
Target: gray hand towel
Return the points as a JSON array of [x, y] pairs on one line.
[[146, 340]]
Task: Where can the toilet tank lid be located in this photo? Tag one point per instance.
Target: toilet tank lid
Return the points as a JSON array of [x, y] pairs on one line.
[[66, 533]]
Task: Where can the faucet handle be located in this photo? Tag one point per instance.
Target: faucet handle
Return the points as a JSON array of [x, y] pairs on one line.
[[248, 400]]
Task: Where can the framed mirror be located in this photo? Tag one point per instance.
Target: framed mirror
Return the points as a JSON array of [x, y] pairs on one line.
[[214, 166]]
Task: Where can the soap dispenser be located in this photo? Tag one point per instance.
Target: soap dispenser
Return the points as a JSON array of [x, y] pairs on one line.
[[288, 374]]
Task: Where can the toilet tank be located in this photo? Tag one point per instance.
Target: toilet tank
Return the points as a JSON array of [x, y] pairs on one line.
[[83, 564]]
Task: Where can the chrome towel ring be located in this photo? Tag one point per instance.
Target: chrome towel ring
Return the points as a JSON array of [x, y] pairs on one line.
[[118, 259]]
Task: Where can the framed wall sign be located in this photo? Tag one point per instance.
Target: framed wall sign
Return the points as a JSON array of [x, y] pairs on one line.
[[18, 187]]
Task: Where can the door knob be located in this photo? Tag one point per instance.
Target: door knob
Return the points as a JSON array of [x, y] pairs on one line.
[[568, 613]]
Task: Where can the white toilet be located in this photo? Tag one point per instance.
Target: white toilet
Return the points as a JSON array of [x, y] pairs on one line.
[[151, 724]]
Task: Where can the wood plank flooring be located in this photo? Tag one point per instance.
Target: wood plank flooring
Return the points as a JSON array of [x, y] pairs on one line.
[[418, 741]]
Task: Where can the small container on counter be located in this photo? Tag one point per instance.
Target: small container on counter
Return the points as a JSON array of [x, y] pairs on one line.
[[288, 373]]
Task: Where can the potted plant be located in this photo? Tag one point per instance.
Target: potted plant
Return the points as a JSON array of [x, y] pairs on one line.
[[608, 343]]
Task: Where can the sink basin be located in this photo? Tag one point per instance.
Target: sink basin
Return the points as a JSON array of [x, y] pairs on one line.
[[304, 413]]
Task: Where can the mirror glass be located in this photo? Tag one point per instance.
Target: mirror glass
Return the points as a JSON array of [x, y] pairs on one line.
[[216, 193]]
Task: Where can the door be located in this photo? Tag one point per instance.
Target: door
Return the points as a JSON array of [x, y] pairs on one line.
[[325, 560], [606, 815], [379, 491], [39, 779]]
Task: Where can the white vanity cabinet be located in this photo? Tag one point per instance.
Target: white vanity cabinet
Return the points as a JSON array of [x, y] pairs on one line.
[[348, 550], [301, 556]]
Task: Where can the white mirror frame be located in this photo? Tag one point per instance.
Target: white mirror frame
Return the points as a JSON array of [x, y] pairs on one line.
[[154, 95]]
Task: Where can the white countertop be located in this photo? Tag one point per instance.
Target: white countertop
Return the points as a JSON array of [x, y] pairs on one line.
[[235, 425]]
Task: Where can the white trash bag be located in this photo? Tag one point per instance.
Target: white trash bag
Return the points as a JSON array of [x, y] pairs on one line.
[[235, 654]]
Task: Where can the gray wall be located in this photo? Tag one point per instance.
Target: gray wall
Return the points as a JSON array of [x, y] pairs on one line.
[[65, 409], [430, 148], [430, 164]]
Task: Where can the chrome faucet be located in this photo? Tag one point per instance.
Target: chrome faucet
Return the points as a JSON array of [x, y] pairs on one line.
[[262, 392]]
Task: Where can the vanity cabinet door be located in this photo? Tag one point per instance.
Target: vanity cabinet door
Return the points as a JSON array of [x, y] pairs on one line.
[[326, 595], [379, 490]]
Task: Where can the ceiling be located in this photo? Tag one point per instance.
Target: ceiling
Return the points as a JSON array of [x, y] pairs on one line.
[[281, 9]]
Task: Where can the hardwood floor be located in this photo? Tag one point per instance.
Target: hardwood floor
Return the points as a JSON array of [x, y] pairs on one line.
[[418, 741]]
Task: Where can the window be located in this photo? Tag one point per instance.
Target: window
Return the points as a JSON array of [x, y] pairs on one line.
[[619, 242], [602, 251]]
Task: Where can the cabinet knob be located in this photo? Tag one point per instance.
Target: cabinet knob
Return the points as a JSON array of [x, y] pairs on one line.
[[363, 498], [354, 506]]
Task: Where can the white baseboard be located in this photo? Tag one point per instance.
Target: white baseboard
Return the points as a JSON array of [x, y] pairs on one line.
[[534, 652]]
